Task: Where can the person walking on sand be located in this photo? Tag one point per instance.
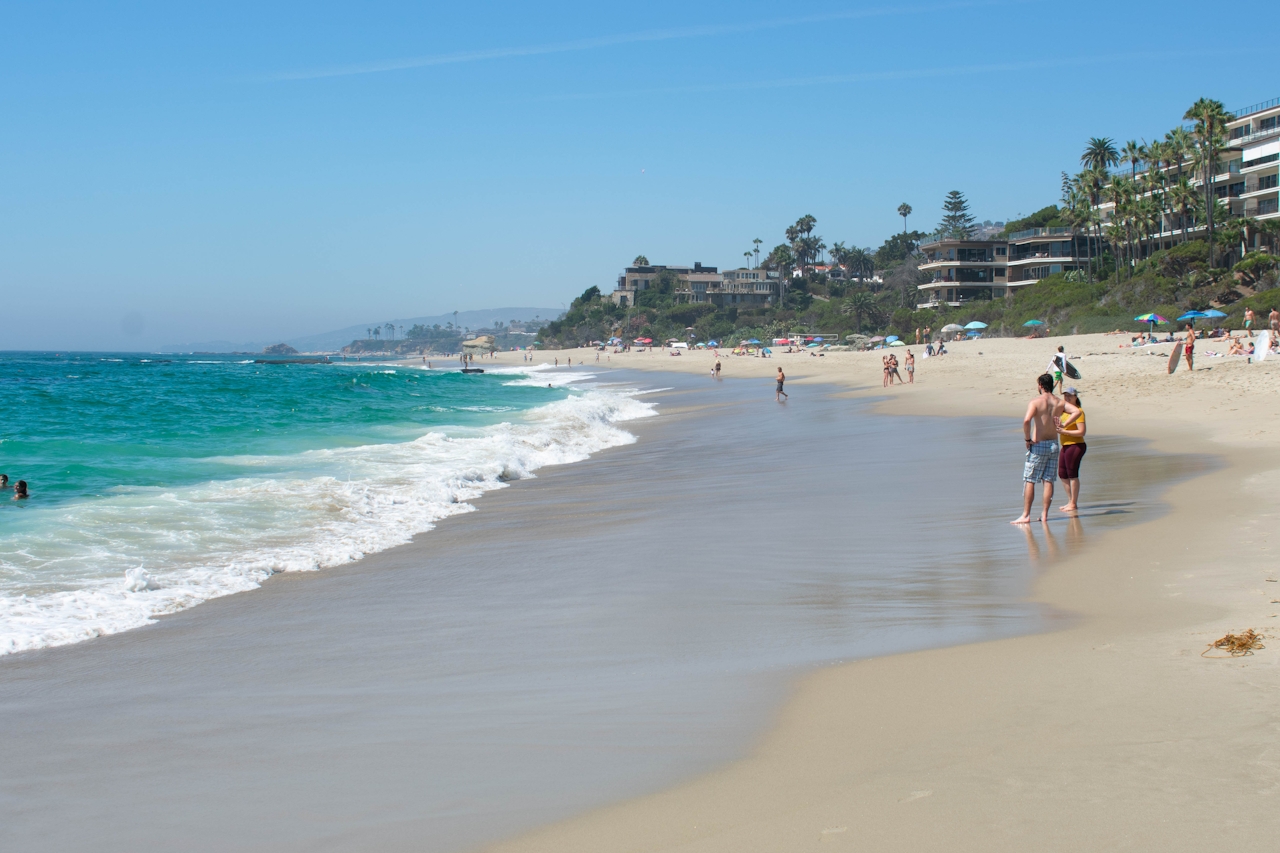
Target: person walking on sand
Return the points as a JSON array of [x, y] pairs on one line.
[[1274, 321], [1056, 366], [911, 367], [1071, 427], [1248, 321], [779, 394], [1189, 348], [1040, 436]]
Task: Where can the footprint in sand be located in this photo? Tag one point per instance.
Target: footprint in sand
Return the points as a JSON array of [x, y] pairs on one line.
[[916, 795]]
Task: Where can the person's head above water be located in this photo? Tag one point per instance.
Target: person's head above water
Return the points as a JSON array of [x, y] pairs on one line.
[[1045, 382], [20, 490], [4, 480]]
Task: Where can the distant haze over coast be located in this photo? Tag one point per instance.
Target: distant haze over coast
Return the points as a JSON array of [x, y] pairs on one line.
[[338, 338]]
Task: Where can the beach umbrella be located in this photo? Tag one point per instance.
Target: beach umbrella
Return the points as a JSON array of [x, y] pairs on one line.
[[753, 341], [887, 340], [1034, 323], [1150, 318], [878, 338], [1192, 316], [953, 327], [818, 338], [897, 343], [1214, 314], [975, 325]]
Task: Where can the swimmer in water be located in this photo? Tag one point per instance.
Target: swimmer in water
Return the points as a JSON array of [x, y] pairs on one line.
[[20, 491]]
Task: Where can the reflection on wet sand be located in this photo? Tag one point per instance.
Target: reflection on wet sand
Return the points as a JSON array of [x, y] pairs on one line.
[[1053, 551]]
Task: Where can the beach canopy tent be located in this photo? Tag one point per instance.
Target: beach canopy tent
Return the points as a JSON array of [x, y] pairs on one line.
[[953, 327], [1034, 323], [644, 340], [975, 325]]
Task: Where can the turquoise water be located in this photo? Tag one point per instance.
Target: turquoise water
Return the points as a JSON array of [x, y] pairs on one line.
[[158, 482]]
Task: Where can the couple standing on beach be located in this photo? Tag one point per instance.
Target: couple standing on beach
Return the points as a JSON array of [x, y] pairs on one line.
[[1049, 420]]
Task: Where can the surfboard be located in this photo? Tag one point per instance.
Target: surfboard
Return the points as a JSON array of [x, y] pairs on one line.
[[1071, 371], [1262, 346], [1175, 357]]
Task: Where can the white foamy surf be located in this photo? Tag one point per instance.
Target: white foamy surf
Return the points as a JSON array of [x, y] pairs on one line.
[[119, 562]]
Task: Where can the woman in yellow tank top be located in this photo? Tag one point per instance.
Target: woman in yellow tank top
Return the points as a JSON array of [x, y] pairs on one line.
[[1071, 430]]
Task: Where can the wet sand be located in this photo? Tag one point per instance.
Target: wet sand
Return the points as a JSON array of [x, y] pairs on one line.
[[1110, 733], [602, 632]]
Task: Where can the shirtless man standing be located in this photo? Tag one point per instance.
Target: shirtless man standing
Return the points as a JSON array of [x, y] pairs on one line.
[[1040, 436], [779, 394], [911, 367], [1274, 319], [1248, 321]]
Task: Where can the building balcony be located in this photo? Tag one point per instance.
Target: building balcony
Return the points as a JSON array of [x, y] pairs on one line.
[[1059, 231], [1042, 257], [1259, 164]]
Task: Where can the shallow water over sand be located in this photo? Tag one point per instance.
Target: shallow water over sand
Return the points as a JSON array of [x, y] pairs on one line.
[[605, 630]]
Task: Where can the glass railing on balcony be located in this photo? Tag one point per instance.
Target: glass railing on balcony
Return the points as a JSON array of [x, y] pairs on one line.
[[1258, 161], [1256, 108], [1056, 231]]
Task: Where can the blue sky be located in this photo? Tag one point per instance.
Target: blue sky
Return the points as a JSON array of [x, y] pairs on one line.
[[252, 171]]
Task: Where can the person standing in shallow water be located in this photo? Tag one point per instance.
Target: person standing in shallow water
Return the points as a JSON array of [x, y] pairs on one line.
[[1040, 435], [1071, 429], [779, 394]]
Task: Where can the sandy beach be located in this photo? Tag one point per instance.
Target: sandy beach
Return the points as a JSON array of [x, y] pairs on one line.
[[1113, 732]]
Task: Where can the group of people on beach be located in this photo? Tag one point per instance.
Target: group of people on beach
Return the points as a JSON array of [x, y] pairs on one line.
[[19, 488], [1053, 430], [890, 363]]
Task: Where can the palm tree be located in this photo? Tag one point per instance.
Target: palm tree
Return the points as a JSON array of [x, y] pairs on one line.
[[640, 261], [747, 255], [757, 242], [904, 210], [1178, 147], [1183, 198], [1100, 153], [1133, 153], [857, 304], [1210, 119]]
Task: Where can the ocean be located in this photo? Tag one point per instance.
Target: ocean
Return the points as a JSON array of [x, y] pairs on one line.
[[159, 482]]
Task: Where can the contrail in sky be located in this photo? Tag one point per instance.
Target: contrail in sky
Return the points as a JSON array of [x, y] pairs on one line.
[[623, 38], [871, 76]]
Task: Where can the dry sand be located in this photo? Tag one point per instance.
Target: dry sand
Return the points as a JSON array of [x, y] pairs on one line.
[[1112, 733]]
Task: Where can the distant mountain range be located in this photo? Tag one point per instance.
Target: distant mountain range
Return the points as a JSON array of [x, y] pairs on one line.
[[339, 338]]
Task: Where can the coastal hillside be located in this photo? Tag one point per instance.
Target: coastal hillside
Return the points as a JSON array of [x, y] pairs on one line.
[[1169, 282]]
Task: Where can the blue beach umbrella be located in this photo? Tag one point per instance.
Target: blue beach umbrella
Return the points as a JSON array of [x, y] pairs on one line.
[[1034, 323], [713, 343], [1213, 314], [975, 325], [753, 341], [887, 340], [1192, 316], [818, 338]]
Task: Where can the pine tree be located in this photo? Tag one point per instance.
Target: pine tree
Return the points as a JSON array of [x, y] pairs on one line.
[[956, 222]]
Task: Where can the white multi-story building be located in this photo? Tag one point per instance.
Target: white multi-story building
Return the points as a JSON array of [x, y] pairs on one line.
[[1244, 180]]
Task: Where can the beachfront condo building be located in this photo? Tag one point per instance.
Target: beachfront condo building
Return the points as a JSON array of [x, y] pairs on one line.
[[1244, 181], [963, 271], [699, 284]]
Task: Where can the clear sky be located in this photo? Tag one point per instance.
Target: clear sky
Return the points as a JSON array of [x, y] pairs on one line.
[[247, 171]]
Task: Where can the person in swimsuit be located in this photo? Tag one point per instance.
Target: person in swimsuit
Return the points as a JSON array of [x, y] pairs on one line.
[[717, 367], [893, 366], [1248, 321], [1040, 436], [20, 491], [779, 394], [911, 367], [884, 364], [1071, 429], [1189, 348], [4, 481]]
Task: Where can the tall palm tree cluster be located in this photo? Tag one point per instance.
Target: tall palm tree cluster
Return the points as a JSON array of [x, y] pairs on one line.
[[1168, 191]]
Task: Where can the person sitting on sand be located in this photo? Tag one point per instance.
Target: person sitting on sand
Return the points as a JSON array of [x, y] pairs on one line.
[[928, 350], [20, 491], [1040, 436], [1236, 347]]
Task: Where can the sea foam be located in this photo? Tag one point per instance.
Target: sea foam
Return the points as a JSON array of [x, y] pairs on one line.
[[121, 561]]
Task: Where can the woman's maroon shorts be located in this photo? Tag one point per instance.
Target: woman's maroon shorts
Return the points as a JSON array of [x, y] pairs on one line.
[[1069, 461]]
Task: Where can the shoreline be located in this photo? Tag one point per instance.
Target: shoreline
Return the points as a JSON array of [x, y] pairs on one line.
[[1110, 730]]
